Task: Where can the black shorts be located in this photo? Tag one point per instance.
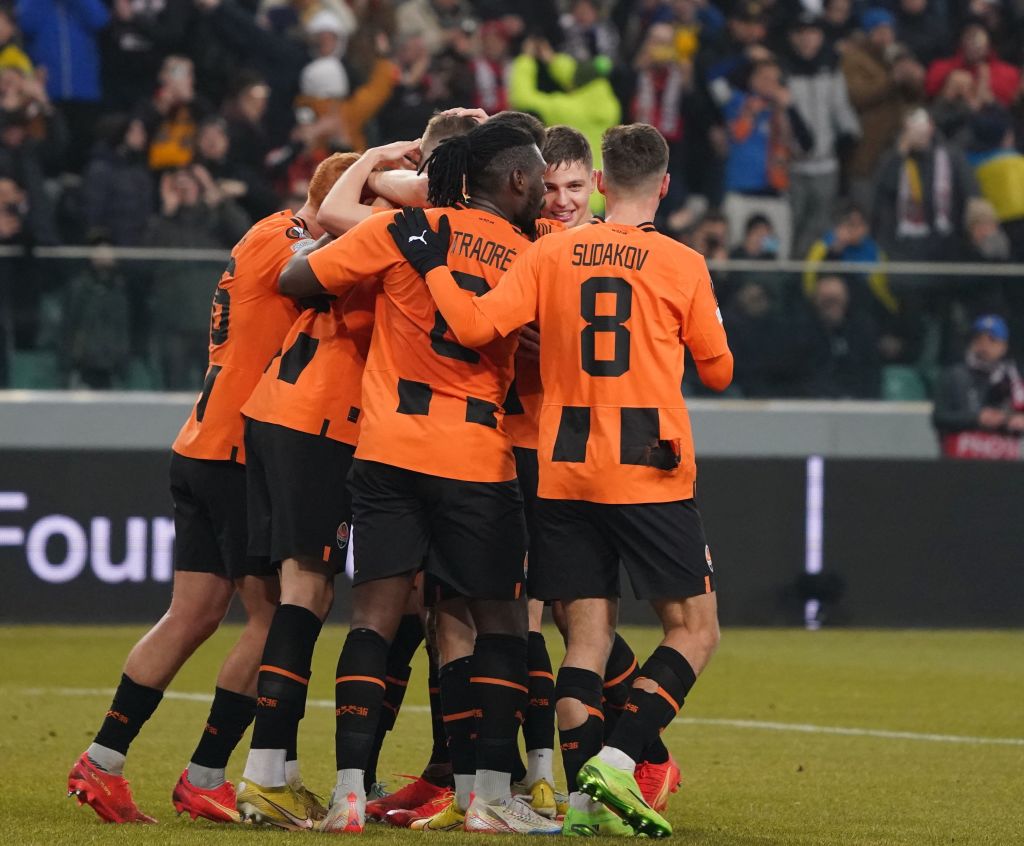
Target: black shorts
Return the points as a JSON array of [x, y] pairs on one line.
[[580, 545], [210, 532], [526, 471], [473, 531], [298, 500]]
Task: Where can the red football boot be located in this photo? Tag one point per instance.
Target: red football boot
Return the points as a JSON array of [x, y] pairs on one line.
[[403, 818], [414, 794], [217, 804], [657, 781], [107, 794]]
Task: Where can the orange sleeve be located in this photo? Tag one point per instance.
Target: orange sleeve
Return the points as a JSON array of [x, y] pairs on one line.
[[513, 301], [364, 252], [703, 332]]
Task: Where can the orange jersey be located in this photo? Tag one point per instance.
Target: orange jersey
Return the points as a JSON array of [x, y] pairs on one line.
[[315, 384], [430, 405], [248, 322], [615, 304], [522, 405]]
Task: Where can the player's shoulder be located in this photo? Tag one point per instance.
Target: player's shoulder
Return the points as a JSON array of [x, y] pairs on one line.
[[282, 227]]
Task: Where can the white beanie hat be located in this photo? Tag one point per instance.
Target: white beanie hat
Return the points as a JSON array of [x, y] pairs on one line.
[[324, 77]]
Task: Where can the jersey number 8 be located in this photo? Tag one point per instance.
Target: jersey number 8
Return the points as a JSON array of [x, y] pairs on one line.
[[590, 291]]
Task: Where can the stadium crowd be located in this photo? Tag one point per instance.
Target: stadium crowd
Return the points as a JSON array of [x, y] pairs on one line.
[[834, 130]]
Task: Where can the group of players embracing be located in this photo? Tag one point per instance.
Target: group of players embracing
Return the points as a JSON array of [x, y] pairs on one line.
[[483, 409]]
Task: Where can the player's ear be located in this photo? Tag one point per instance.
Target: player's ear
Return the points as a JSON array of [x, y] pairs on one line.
[[517, 181], [665, 180], [599, 176]]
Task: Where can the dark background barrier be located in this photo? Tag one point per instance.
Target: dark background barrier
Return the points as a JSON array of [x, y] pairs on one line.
[[86, 536]]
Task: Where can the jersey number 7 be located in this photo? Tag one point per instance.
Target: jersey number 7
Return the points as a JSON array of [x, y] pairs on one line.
[[438, 342]]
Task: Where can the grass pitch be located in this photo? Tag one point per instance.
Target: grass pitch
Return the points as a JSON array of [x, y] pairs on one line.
[[833, 737]]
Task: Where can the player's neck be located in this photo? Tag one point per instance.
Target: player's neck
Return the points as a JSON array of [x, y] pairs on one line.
[[631, 211], [484, 204]]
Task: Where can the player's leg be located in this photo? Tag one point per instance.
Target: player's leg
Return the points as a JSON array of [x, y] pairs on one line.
[[471, 523], [657, 772], [663, 549], [309, 515], [393, 539], [203, 789], [538, 780], [576, 563], [201, 594], [400, 654]]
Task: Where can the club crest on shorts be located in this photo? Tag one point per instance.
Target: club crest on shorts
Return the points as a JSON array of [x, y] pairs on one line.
[[343, 532], [707, 557]]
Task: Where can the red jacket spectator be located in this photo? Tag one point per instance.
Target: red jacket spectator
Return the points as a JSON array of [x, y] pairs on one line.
[[976, 57]]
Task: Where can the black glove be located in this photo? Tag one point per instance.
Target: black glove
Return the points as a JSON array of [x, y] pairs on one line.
[[422, 247]]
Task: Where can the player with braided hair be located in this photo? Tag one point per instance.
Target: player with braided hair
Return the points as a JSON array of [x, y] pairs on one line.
[[434, 467]]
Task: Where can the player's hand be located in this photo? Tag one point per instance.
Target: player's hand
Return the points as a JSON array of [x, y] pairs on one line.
[[397, 154], [992, 418], [529, 342], [477, 114], [422, 247]]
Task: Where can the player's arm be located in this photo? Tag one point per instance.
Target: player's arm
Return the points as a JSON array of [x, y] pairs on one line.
[[474, 321], [704, 335], [343, 207], [364, 252], [399, 187]]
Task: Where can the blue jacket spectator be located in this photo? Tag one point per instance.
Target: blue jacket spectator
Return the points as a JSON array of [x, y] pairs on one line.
[[61, 36]]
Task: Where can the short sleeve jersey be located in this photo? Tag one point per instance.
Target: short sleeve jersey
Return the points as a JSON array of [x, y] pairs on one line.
[[314, 385], [249, 320], [429, 404], [615, 305]]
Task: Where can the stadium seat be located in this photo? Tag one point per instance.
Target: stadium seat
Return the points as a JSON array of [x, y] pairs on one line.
[[35, 369], [902, 383]]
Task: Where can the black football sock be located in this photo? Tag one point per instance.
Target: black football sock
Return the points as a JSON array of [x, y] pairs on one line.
[[400, 653], [539, 727], [460, 719], [284, 676], [358, 694], [619, 673], [292, 775], [580, 743], [647, 714], [230, 715], [499, 683], [439, 768], [133, 704]]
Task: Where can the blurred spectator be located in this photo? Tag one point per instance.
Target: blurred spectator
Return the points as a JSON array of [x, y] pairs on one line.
[[141, 33], [976, 68], [884, 81], [986, 239], [921, 25], [440, 23], [979, 404], [172, 115], [30, 120], [850, 241], [725, 63], [586, 101], [838, 22], [842, 350], [235, 181], [762, 129], [194, 214], [245, 112], [586, 33], [95, 322], [117, 186], [325, 77], [763, 345], [999, 169], [819, 94], [664, 77], [11, 54], [61, 36], [923, 185], [759, 240], [491, 69], [27, 208]]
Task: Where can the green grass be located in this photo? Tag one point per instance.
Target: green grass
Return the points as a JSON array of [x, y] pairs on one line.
[[742, 785]]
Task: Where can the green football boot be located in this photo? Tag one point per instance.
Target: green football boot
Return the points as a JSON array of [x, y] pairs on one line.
[[618, 790], [599, 823]]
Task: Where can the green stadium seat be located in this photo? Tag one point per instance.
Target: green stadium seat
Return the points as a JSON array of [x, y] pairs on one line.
[[902, 383], [35, 370]]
